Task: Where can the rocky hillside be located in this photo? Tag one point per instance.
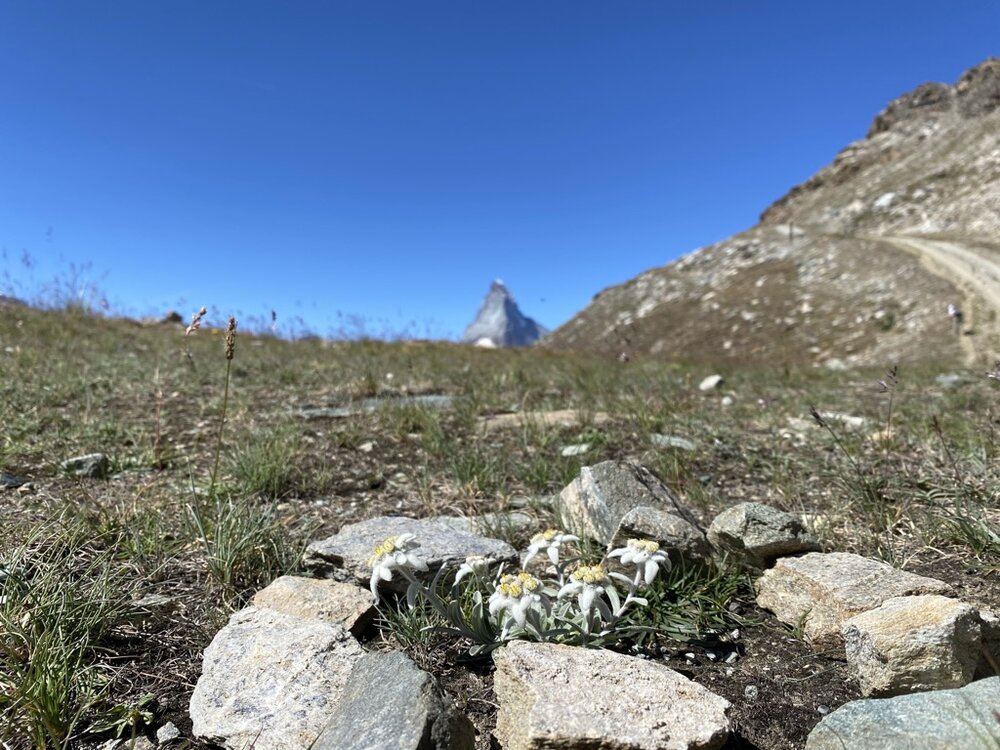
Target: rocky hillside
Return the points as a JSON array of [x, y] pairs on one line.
[[855, 266]]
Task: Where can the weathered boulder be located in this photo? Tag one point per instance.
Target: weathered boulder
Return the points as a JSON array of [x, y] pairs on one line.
[[391, 704], [938, 720], [556, 696], [913, 643], [759, 534], [595, 502], [684, 543], [490, 524], [346, 555], [270, 680], [818, 591], [319, 599]]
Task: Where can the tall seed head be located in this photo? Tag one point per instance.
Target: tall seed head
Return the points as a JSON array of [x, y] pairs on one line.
[[231, 337]]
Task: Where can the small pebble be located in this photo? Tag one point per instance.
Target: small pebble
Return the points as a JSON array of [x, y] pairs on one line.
[[751, 691]]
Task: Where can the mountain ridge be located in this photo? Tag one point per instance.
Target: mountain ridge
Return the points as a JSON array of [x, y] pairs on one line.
[[842, 270]]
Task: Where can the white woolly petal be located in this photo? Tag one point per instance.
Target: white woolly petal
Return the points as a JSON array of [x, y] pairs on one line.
[[373, 583], [587, 598], [384, 572], [651, 570], [569, 588], [618, 552], [519, 611], [554, 554], [415, 562]]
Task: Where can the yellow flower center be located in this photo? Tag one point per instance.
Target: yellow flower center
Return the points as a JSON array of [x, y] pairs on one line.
[[546, 536], [589, 574], [382, 549], [644, 545], [516, 586]]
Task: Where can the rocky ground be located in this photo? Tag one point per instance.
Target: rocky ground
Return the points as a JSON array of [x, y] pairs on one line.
[[899, 468]]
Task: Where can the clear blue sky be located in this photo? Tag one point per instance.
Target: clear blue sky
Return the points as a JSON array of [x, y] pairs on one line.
[[389, 159]]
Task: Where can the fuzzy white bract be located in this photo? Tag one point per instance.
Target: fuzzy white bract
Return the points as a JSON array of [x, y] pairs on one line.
[[474, 565], [549, 541], [395, 553], [646, 555]]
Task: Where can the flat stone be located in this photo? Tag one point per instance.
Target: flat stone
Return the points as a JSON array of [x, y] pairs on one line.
[[684, 543], [758, 534], [594, 503], [960, 719], [557, 696], [345, 556], [369, 405], [557, 418], [319, 599], [819, 591], [271, 681], [577, 449], [90, 466], [671, 441], [913, 643], [391, 704]]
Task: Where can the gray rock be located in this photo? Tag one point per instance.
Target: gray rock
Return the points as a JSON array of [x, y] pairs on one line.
[[494, 525], [671, 441], [270, 680], [960, 719], [167, 733], [319, 599], [594, 503], [556, 696], [390, 704], [710, 383], [818, 591], [913, 643], [9, 481], [759, 534], [684, 542], [346, 555], [91, 466]]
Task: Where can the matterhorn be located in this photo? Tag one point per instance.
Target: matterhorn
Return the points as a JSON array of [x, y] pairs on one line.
[[500, 322]]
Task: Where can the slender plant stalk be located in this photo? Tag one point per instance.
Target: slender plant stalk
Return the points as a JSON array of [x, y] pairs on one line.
[[230, 352]]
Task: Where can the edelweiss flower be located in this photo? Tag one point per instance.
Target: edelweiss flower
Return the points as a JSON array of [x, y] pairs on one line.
[[393, 554], [645, 554], [515, 595], [476, 565], [587, 582], [548, 541]]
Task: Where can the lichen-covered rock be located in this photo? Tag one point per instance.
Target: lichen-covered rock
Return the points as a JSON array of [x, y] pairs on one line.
[[391, 704], [759, 534], [913, 643], [555, 696], [818, 591], [270, 680]]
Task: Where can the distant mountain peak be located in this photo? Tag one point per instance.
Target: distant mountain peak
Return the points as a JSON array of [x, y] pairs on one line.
[[500, 321]]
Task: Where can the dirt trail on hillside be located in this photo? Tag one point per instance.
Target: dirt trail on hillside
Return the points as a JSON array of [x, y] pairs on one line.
[[975, 272]]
